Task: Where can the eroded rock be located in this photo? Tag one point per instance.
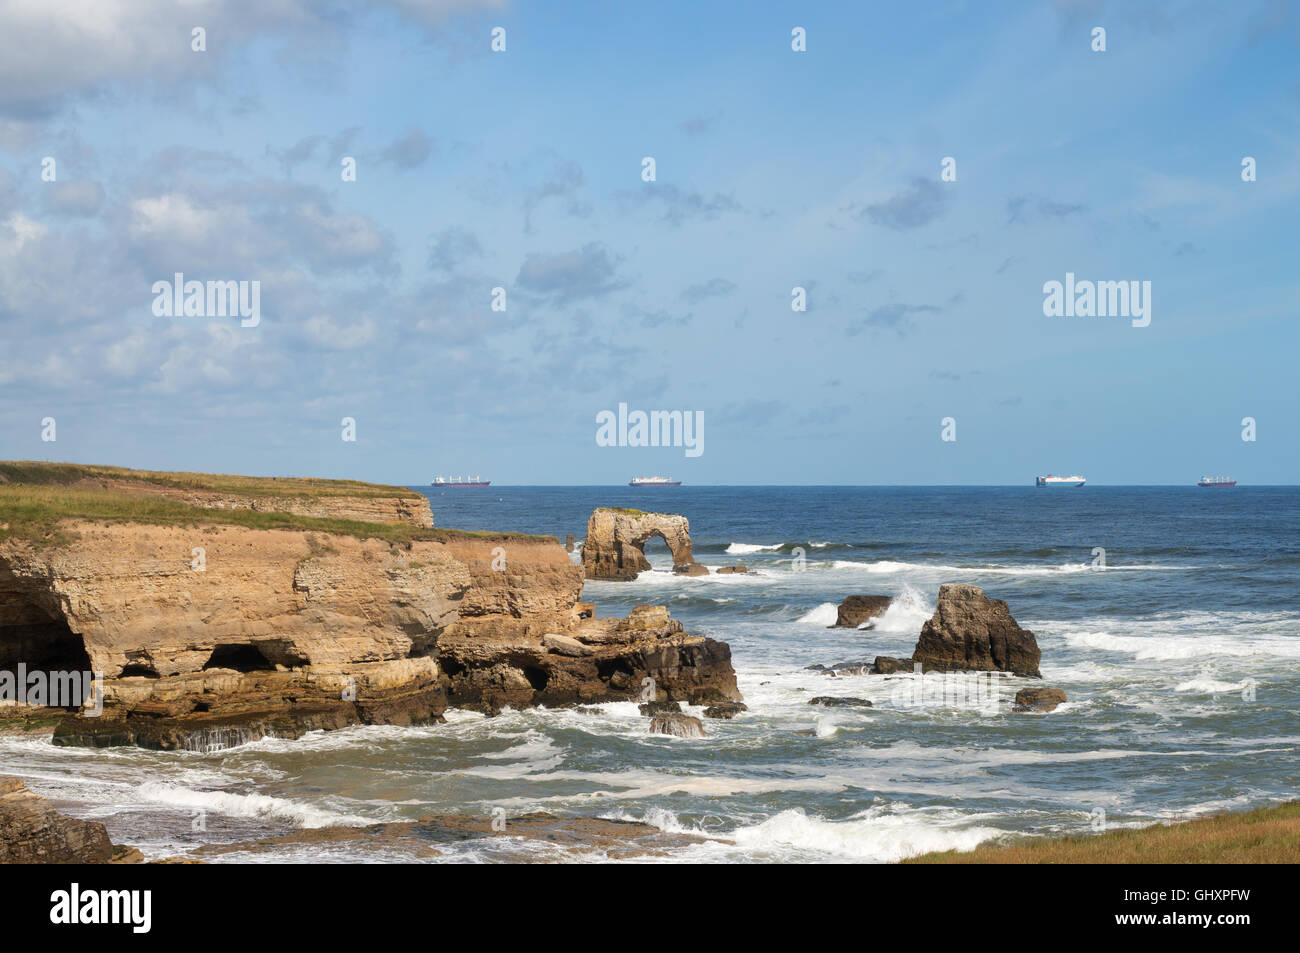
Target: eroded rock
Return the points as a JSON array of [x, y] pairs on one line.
[[726, 710], [970, 632], [615, 537], [1039, 699], [855, 610], [32, 832], [832, 701], [680, 726]]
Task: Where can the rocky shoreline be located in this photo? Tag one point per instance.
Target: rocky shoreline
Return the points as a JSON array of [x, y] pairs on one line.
[[210, 633]]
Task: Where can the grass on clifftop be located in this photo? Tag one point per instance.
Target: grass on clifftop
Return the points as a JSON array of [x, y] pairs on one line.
[[37, 513], [1269, 835], [36, 473]]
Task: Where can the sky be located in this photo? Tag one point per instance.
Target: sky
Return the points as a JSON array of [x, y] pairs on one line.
[[775, 168]]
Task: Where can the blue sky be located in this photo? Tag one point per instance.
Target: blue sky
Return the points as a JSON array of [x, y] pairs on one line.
[[775, 169]]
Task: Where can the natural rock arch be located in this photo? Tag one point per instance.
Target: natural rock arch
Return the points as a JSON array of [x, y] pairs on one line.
[[616, 537]]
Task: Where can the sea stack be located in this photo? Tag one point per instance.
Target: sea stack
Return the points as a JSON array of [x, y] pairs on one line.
[[615, 537], [970, 632]]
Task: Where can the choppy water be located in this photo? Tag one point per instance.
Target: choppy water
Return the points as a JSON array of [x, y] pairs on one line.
[[1181, 660]]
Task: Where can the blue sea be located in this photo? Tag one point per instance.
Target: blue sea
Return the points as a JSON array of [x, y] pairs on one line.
[[1178, 649]]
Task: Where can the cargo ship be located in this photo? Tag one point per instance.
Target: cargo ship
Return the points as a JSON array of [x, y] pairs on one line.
[[1216, 481], [459, 481], [654, 481], [1050, 480]]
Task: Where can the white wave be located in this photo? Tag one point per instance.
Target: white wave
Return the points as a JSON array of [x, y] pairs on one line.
[[825, 614], [246, 805], [907, 612], [872, 836], [826, 728], [1170, 648], [744, 549], [890, 566], [1206, 685]]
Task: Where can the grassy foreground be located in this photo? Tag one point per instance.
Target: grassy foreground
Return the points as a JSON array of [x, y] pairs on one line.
[[37, 498], [1268, 835]]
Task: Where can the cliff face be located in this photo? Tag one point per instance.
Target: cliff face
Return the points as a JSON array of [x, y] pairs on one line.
[[208, 635], [279, 631]]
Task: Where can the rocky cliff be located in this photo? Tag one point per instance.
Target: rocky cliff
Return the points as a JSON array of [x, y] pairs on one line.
[[208, 634], [615, 537]]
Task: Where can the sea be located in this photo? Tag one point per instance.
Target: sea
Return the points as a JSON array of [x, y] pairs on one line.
[[1170, 616]]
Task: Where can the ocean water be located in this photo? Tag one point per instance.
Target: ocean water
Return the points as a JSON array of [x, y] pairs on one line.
[[1181, 660]]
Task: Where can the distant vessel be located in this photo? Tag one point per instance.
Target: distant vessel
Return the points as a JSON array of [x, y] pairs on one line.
[[1216, 481], [1050, 480], [654, 481], [459, 481]]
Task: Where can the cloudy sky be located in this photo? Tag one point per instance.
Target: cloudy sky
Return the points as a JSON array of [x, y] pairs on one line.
[[774, 169]]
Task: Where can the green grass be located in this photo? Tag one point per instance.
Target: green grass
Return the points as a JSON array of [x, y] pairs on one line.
[[631, 512], [35, 473], [1268, 835], [40, 512]]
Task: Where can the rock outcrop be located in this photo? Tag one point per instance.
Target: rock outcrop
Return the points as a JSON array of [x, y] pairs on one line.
[[971, 633], [832, 701], [210, 634], [855, 610], [1039, 699], [680, 726], [615, 537], [525, 640], [32, 832]]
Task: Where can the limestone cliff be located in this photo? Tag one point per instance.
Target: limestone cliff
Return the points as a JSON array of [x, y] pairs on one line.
[[210, 633], [615, 537]]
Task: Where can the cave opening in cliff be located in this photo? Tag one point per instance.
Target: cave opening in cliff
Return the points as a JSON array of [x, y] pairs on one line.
[[538, 678], [34, 637], [242, 657]]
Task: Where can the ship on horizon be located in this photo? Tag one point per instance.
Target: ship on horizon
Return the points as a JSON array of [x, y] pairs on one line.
[[1216, 481], [1051, 480], [460, 481], [654, 481]]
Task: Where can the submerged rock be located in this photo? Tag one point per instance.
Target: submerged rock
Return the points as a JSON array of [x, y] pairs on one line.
[[650, 709], [690, 569], [725, 710], [728, 570], [855, 610], [830, 701], [844, 668], [884, 665], [970, 632], [1038, 699], [680, 726]]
